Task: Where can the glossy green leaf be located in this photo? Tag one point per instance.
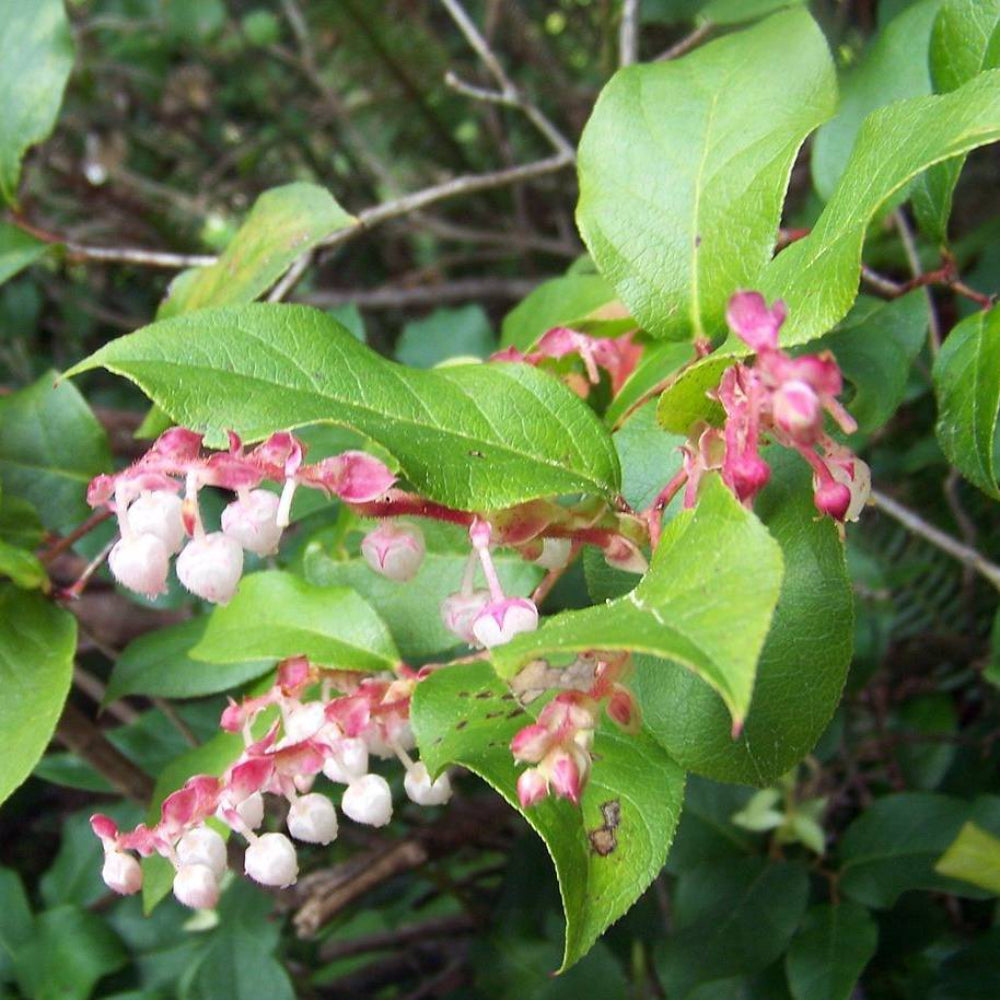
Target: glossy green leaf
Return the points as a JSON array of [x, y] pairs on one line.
[[893, 67], [284, 223], [412, 609], [19, 523], [965, 41], [818, 276], [606, 852], [69, 951], [686, 401], [581, 301], [967, 385], [706, 603], [676, 152], [738, 11], [479, 436], [649, 458], [18, 250], [51, 445], [732, 916], [895, 844], [801, 669], [21, 566], [36, 56], [16, 920], [830, 951], [37, 643], [973, 856], [659, 362], [275, 615], [158, 663], [444, 334]]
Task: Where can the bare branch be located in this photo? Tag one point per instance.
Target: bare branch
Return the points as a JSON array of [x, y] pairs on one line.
[[916, 268], [628, 33], [687, 43], [390, 297], [914, 523]]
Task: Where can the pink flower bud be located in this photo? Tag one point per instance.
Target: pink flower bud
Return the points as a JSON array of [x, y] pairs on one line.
[[532, 743], [252, 521], [623, 710], [857, 477], [501, 620], [748, 474], [203, 846], [312, 819], [158, 513], [797, 411], [459, 612], [555, 553], [750, 319], [141, 563], [566, 776], [196, 885], [832, 498], [271, 860], [368, 800], [121, 873], [353, 476], [178, 444], [211, 567], [622, 554], [394, 550], [348, 761], [420, 789], [304, 721], [531, 787], [251, 810], [104, 827]]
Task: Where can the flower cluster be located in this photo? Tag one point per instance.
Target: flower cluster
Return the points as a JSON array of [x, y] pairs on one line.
[[558, 745], [332, 735], [785, 398], [618, 356], [156, 502]]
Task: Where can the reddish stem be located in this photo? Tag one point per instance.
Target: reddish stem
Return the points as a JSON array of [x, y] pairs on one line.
[[58, 547]]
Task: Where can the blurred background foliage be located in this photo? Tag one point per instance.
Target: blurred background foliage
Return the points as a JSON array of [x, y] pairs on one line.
[[179, 113]]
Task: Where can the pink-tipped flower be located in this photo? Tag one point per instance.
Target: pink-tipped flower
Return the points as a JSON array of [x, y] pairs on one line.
[[623, 710], [347, 761], [368, 800], [121, 873], [460, 611], [501, 620], [797, 411], [158, 512], [555, 553], [531, 787], [252, 520], [533, 742], [251, 810], [312, 819], [196, 885], [424, 792], [566, 774], [178, 445], [394, 550], [353, 476], [747, 474], [833, 499], [302, 722], [271, 860], [141, 563], [211, 567], [855, 474], [620, 553], [203, 846], [756, 325]]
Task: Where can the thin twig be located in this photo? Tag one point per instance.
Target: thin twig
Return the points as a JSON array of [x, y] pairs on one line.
[[291, 278], [914, 523], [68, 541], [95, 689], [687, 43], [174, 718], [392, 297], [628, 33], [909, 242]]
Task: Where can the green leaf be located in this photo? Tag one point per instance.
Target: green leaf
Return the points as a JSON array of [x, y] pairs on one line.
[[19, 523], [894, 67], [684, 166], [36, 56], [283, 224], [732, 917], [446, 333], [21, 566], [51, 446], [875, 347], [894, 845], [606, 852], [965, 41], [474, 436], [18, 250], [738, 11], [706, 603], [159, 663], [973, 856], [37, 643], [584, 302], [658, 363], [801, 669], [830, 951], [16, 920], [818, 276], [275, 615], [412, 609], [686, 400], [967, 384], [648, 458], [971, 973], [69, 951]]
